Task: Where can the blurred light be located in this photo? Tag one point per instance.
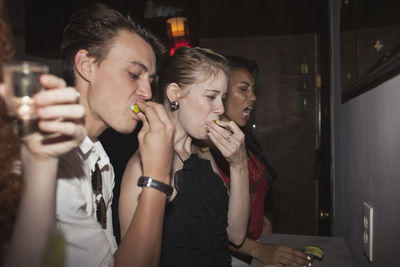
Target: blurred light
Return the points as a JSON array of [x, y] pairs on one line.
[[178, 33], [177, 26]]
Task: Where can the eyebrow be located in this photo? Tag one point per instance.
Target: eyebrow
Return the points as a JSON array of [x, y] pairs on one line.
[[213, 90], [246, 83]]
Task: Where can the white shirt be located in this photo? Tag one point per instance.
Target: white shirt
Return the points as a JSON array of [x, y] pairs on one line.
[[87, 243]]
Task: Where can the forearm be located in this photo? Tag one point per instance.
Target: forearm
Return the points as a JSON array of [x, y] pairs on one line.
[[249, 247], [141, 245], [239, 204], [36, 214]]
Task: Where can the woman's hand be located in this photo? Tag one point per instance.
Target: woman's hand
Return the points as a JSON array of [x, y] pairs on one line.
[[280, 255], [229, 140], [60, 120]]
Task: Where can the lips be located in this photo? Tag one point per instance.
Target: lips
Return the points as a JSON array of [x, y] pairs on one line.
[[246, 112]]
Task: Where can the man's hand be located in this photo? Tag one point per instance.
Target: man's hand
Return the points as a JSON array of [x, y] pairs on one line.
[[155, 141], [60, 120]]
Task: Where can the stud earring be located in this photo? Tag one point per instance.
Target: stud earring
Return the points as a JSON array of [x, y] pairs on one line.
[[174, 105]]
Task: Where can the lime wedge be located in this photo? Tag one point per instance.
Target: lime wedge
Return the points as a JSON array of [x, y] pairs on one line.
[[135, 109], [315, 251]]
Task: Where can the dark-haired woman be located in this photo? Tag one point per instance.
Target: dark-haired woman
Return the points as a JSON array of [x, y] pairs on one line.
[[239, 104]]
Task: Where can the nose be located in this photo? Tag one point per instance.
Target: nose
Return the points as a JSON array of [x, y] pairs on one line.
[[219, 109], [144, 89], [252, 96]]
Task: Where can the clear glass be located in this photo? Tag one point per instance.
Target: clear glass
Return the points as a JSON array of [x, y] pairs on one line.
[[21, 81]]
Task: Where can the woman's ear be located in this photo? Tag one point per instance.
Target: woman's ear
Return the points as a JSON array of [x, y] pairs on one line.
[[84, 64], [2, 90], [174, 92]]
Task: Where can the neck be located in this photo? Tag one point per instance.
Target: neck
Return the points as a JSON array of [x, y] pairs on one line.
[[182, 144], [94, 125]]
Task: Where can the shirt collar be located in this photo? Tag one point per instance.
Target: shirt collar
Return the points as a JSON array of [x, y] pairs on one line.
[[94, 151]]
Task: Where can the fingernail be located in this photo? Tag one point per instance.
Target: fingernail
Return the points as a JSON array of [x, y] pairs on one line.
[[308, 258], [135, 109], [310, 264]]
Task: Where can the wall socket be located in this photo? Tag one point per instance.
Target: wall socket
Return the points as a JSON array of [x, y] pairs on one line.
[[367, 230]]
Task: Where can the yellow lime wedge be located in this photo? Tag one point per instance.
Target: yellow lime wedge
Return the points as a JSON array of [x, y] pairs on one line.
[[135, 109], [315, 251]]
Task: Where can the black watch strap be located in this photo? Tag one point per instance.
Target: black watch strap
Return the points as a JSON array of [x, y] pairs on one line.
[[146, 181]]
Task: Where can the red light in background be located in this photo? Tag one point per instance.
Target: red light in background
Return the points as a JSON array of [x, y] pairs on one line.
[[178, 42]]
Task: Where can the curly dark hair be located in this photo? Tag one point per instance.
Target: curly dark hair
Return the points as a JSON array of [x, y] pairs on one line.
[[94, 28], [10, 179], [6, 48]]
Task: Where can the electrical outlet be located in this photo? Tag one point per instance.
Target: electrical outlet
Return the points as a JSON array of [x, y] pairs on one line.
[[367, 230]]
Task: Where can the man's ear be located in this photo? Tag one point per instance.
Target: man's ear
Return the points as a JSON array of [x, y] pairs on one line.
[[174, 92], [84, 64]]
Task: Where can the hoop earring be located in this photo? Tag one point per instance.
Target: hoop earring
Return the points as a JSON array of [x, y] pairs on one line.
[[174, 105]]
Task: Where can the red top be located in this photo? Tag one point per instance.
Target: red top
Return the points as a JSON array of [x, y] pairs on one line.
[[258, 184]]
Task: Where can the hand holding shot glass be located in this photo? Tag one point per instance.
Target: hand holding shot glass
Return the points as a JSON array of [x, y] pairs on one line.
[[48, 114]]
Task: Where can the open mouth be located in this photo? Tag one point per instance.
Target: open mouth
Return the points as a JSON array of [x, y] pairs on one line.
[[246, 112]]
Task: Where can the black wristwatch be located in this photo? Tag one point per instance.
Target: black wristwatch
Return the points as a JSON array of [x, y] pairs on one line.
[[146, 181]]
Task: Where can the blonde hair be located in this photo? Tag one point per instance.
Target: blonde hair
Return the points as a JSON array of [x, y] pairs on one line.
[[189, 66]]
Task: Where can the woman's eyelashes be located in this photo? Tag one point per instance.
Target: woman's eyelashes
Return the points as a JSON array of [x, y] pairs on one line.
[[134, 75]]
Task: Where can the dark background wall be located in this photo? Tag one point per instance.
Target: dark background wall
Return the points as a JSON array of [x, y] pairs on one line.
[[365, 137]]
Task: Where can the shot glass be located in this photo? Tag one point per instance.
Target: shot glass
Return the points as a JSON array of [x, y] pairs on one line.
[[21, 81]]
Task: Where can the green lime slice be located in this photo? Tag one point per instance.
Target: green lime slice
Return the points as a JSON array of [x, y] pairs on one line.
[[135, 109], [315, 251]]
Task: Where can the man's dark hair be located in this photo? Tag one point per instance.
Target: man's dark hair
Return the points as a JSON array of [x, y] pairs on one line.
[[94, 28], [236, 62]]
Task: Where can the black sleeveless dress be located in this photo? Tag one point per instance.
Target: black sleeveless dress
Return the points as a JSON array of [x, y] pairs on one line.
[[196, 220]]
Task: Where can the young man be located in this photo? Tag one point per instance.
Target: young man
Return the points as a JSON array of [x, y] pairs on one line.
[[112, 62]]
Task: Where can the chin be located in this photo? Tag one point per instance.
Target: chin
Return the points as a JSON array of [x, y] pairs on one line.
[[242, 123], [199, 136], [126, 128]]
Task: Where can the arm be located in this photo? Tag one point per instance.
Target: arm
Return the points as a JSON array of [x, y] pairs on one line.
[[272, 254], [143, 234], [239, 199], [130, 193], [239, 203], [36, 214]]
